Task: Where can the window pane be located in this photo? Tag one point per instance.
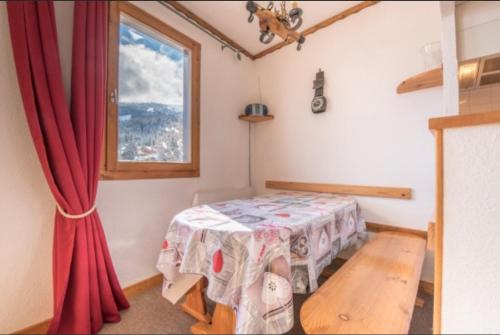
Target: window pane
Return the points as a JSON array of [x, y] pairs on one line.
[[153, 108]]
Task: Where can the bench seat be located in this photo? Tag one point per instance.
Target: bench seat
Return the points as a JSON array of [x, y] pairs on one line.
[[374, 292]]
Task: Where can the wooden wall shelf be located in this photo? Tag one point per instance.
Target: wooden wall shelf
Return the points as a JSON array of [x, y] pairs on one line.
[[428, 79], [256, 118]]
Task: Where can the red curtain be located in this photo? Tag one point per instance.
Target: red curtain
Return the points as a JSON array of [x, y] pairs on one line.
[[68, 143]]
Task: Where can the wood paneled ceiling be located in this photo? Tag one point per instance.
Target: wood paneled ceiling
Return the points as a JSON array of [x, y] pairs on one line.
[[228, 20]]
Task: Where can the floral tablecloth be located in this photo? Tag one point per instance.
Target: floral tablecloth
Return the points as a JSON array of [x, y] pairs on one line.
[[257, 252]]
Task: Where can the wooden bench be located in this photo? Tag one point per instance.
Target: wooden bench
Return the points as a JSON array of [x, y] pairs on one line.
[[373, 292]]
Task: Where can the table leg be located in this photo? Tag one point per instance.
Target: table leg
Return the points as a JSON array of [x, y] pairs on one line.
[[223, 322], [419, 302], [194, 303]]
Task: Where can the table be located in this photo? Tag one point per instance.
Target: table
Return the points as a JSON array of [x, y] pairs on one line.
[[257, 252]]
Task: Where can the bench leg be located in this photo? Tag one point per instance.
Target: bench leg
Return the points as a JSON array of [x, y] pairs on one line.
[[223, 322], [194, 303], [419, 302]]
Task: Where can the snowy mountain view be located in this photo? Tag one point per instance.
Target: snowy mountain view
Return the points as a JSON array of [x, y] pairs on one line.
[[151, 94], [150, 132]]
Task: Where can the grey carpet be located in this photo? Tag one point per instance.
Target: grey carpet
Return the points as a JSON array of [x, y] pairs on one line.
[[150, 313]]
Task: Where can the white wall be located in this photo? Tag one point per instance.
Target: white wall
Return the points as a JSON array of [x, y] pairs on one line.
[[478, 26], [369, 135], [135, 214], [471, 266], [449, 55], [26, 208]]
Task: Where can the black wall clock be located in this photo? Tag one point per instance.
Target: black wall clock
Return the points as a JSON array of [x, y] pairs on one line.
[[318, 103]]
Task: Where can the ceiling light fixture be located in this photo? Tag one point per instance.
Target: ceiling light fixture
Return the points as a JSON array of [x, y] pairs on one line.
[[278, 22]]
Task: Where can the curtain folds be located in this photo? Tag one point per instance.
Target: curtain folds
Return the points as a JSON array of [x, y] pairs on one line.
[[68, 142]]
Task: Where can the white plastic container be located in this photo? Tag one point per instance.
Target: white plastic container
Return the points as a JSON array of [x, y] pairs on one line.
[[432, 55]]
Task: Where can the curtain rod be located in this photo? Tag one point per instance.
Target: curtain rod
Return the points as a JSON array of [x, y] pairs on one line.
[[223, 43]]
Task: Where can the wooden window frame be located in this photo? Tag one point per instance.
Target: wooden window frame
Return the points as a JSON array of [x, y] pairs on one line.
[[111, 167]]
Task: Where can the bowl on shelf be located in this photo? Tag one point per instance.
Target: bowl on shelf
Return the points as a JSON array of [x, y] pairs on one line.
[[256, 109]]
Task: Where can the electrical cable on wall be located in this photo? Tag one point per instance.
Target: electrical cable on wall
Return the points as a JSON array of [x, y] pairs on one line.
[[250, 154], [250, 139], [223, 43]]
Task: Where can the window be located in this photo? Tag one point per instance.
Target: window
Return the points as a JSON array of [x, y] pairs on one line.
[[153, 98]]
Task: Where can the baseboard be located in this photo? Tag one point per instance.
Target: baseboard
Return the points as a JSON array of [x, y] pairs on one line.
[[138, 288], [39, 328], [377, 227], [130, 292]]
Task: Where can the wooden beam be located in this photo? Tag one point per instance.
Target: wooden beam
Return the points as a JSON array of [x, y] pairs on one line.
[[428, 79], [210, 28], [371, 191], [466, 120], [318, 26]]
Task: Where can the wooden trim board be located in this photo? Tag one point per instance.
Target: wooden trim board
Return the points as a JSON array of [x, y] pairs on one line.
[[181, 8], [377, 228], [371, 191], [323, 24], [144, 285], [467, 120], [37, 328], [438, 233], [130, 292], [318, 26]]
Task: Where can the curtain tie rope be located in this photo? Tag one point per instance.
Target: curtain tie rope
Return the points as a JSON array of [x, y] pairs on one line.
[[75, 216]]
